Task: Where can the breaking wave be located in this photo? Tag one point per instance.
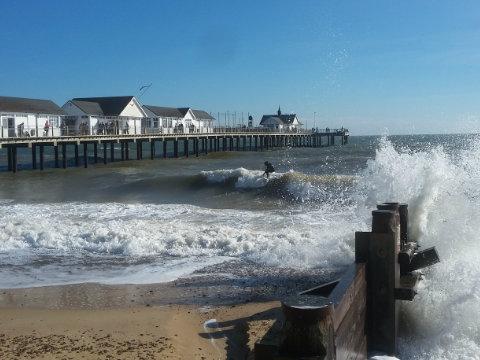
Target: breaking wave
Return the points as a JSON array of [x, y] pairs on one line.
[[292, 185], [442, 190]]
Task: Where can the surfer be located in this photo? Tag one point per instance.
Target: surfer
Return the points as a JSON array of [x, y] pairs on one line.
[[268, 169]]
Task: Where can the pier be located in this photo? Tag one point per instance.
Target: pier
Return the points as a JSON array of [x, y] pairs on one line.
[[106, 148]]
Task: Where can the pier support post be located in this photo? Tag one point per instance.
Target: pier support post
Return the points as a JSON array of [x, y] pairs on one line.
[[197, 147], [55, 152], [85, 155], [164, 141], [95, 152], [139, 150], [127, 150], [175, 148], [256, 143], [14, 159], [105, 153], [230, 140], [64, 155], [77, 160], [9, 157], [224, 144], [34, 156], [41, 156], [185, 147], [122, 150], [205, 145], [152, 149], [112, 151]]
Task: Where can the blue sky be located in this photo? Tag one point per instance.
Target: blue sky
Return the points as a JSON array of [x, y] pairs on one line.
[[397, 67]]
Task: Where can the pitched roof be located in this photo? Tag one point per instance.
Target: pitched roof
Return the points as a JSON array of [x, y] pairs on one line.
[[184, 111], [35, 106], [200, 114], [177, 112], [285, 119], [164, 111], [104, 106]]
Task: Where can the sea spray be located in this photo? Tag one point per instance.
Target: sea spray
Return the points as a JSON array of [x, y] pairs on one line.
[[442, 192]]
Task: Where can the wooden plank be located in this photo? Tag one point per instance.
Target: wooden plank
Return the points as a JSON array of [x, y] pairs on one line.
[[352, 328], [353, 281]]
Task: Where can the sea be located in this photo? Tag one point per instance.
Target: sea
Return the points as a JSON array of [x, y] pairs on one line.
[[155, 221]]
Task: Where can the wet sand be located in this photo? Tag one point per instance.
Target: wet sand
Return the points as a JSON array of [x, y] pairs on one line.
[[205, 316], [92, 321]]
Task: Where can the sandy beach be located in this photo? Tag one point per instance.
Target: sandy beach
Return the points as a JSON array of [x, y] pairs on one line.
[[58, 323]]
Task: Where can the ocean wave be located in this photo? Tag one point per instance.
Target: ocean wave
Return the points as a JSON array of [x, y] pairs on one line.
[[291, 185]]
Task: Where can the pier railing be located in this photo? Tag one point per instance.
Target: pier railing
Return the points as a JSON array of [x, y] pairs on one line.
[[358, 313], [25, 132]]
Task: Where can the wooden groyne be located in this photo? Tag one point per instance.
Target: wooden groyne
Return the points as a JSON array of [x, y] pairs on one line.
[[106, 146], [357, 314]]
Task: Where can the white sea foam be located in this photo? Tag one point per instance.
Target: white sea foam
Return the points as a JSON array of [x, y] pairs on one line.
[[279, 238], [442, 193]]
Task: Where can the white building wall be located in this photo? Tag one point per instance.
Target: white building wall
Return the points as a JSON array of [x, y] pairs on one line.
[[133, 109]]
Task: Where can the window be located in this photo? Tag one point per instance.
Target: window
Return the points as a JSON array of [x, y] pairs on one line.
[[155, 123]]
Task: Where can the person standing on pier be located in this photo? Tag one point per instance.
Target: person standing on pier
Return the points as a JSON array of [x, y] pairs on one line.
[[46, 127]]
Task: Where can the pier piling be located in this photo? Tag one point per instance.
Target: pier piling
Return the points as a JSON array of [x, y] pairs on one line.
[[64, 155]]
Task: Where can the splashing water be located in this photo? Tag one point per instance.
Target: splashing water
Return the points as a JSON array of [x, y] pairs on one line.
[[442, 192]]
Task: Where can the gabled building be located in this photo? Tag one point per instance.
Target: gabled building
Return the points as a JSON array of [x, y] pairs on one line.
[[281, 122], [104, 115], [170, 120], [21, 117]]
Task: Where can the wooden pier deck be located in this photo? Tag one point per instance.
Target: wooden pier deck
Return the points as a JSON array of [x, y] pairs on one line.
[[193, 145]]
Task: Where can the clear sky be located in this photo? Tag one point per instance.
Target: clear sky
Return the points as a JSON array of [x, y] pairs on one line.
[[396, 67]]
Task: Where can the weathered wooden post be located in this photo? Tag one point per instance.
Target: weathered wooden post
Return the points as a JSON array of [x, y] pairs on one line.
[[64, 155], [34, 156], [77, 160], [112, 151], [95, 152], [85, 155], [308, 332], [139, 150], [41, 156], [122, 150], [127, 150], [197, 146], [14, 159], [185, 148], [9, 157], [55, 152], [175, 148], [152, 149], [164, 150], [105, 152]]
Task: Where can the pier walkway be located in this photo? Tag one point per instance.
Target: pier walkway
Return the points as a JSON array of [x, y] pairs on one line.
[[193, 144]]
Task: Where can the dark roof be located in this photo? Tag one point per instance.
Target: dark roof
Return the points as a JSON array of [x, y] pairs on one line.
[[177, 112], [104, 106], [184, 111], [164, 111], [34, 106], [285, 119], [200, 114]]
